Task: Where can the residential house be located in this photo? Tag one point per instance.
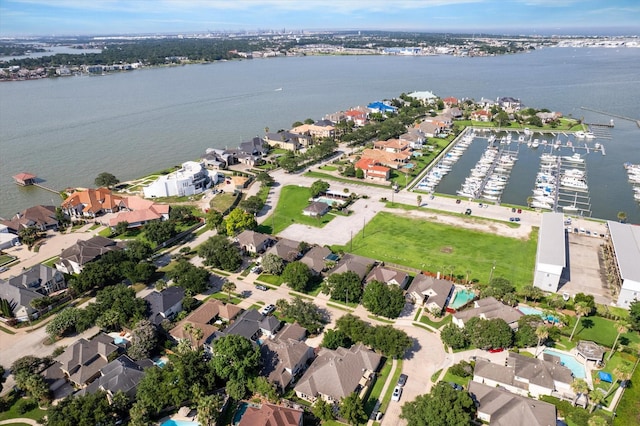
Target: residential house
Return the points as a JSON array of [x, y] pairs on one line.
[[450, 101], [292, 331], [287, 140], [456, 113], [430, 129], [34, 283], [481, 115], [392, 145], [252, 151], [82, 360], [359, 116], [316, 209], [372, 170], [509, 104], [488, 308], [286, 249], [382, 108], [121, 375], [190, 179], [319, 129], [214, 158], [41, 217], [388, 276], [271, 415], [335, 374], [351, 262], [73, 259], [253, 242], [7, 239], [430, 292], [205, 317], [90, 203], [283, 359], [426, 97], [414, 137], [394, 160], [526, 376], [316, 259], [137, 212], [251, 324], [336, 117], [548, 117], [164, 304], [498, 406]]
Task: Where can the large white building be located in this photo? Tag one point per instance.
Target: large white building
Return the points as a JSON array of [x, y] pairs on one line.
[[551, 257], [625, 240], [190, 179]]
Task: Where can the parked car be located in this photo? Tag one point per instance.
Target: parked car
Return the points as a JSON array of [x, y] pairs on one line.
[[514, 219], [455, 386], [4, 269], [495, 350], [396, 393], [256, 269], [268, 309], [458, 201], [467, 212], [402, 380], [261, 287]]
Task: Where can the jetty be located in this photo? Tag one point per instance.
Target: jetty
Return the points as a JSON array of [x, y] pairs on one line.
[[635, 120]]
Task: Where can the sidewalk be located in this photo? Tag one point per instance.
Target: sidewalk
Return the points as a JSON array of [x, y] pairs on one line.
[[386, 386]]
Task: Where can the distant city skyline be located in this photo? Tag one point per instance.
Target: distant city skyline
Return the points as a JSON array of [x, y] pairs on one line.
[[112, 17]]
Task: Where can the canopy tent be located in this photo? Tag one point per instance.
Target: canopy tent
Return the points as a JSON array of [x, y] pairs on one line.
[[605, 377]]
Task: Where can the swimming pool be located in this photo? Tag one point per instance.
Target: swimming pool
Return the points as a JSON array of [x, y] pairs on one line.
[[242, 407], [120, 340], [527, 310], [570, 362], [160, 362], [172, 422], [329, 201], [461, 298]]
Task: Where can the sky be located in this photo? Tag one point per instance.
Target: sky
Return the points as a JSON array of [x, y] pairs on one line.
[[111, 17]]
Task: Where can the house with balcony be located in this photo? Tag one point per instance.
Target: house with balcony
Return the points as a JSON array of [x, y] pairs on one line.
[[91, 203], [41, 217], [190, 179], [73, 258]]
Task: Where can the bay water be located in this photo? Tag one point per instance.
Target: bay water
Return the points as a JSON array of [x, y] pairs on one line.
[[68, 130]]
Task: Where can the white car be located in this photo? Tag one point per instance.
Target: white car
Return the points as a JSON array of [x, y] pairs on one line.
[[268, 309], [396, 393]]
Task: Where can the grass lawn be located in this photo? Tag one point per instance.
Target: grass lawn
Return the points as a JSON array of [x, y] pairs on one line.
[[222, 202], [628, 410], [223, 297], [12, 413], [435, 247], [374, 395], [338, 306], [329, 168], [600, 330], [275, 280], [293, 199], [452, 378], [618, 360], [436, 324], [386, 398]]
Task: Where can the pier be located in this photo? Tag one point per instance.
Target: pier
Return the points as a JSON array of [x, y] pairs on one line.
[[28, 179], [635, 120], [41, 186]]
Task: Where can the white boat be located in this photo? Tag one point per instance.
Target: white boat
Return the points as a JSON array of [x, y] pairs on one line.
[[540, 205], [589, 135], [580, 134], [576, 173], [597, 145], [575, 158], [571, 208], [570, 182], [527, 131]]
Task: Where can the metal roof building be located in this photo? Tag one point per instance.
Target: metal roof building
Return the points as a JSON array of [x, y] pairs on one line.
[[551, 257], [625, 239]]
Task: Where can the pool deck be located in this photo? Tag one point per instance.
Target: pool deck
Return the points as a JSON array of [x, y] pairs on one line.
[[574, 353]]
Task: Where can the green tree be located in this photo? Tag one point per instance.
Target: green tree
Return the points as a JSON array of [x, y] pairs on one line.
[[228, 286], [305, 313], [182, 214], [454, 337], [260, 386], [322, 410], [234, 357], [143, 340], [352, 409], [622, 217], [542, 333], [265, 178], [121, 227], [488, 334], [272, 264], [160, 231], [89, 409], [209, 408], [345, 286], [190, 277], [579, 386], [30, 235], [2, 378], [382, 299], [359, 173], [239, 220], [634, 315], [581, 309], [106, 179], [63, 323], [236, 388], [252, 205], [297, 275], [444, 406], [333, 339], [213, 218], [318, 187], [138, 250], [218, 252]]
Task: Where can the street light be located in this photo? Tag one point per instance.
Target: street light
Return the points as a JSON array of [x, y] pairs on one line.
[[491, 272]]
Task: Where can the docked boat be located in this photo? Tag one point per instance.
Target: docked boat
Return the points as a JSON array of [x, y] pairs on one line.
[[580, 134], [569, 182], [589, 135], [527, 131], [540, 205], [535, 143], [576, 173], [575, 158]]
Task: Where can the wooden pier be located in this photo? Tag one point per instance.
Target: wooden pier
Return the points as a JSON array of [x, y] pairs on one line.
[[635, 120], [28, 179], [41, 186]]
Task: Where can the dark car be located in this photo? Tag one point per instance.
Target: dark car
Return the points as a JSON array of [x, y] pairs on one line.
[[467, 212], [261, 287], [458, 201], [402, 380], [455, 386]]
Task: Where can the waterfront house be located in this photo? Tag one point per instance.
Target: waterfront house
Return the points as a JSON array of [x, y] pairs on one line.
[[392, 145], [33, 283], [214, 158], [190, 179], [164, 304], [319, 129], [40, 217], [414, 137], [335, 374], [430, 292], [372, 170], [382, 108], [481, 115], [394, 160], [488, 308], [426, 97], [526, 376], [24, 179], [90, 203], [137, 212], [7, 239], [450, 101], [290, 141], [73, 258], [388, 276], [253, 242], [359, 116], [271, 415], [498, 406], [509, 104], [430, 129]]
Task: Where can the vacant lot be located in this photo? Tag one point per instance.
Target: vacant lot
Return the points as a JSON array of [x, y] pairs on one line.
[[293, 199], [435, 247]]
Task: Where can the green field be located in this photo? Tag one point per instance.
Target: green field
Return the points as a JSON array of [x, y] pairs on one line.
[[600, 330], [293, 199], [434, 247]]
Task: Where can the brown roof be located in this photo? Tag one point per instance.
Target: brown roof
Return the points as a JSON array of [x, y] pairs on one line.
[[354, 263], [489, 308], [286, 249], [391, 159], [86, 251], [387, 275], [271, 415], [39, 216], [281, 358], [92, 200], [437, 290], [315, 258], [83, 359]]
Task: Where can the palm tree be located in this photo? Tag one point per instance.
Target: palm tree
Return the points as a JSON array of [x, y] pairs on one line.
[[622, 217], [228, 287], [621, 373], [622, 327], [579, 386], [188, 328], [595, 399], [581, 309], [542, 332]]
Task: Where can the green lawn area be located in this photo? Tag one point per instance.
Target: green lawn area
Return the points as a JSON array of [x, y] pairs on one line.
[[329, 168], [628, 410], [386, 398], [5, 258], [429, 246], [222, 202], [618, 360], [270, 279], [374, 395], [235, 299], [600, 330], [436, 324], [452, 378], [293, 199], [12, 413]]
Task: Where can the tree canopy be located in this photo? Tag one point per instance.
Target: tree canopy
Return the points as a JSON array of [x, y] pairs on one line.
[[305, 313], [382, 299], [190, 277], [344, 286], [319, 187], [444, 406], [297, 275], [235, 357], [106, 179], [391, 341], [239, 220], [218, 252]]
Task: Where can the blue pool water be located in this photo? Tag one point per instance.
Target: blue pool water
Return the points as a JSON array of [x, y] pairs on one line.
[[533, 311], [461, 298], [570, 362], [160, 362], [120, 340], [329, 201], [242, 407], [172, 422], [408, 166]]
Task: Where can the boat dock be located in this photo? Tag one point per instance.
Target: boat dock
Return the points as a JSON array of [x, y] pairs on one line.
[[41, 186], [28, 179], [635, 120]]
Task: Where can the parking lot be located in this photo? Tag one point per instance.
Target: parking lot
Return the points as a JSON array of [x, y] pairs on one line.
[[585, 274]]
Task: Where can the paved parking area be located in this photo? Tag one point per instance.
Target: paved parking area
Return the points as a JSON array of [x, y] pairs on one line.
[[584, 269]]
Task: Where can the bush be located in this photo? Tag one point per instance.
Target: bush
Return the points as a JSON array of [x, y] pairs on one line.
[[25, 405], [462, 369]]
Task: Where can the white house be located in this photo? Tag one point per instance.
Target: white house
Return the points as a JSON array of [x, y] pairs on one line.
[[551, 255], [190, 179], [625, 240]]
